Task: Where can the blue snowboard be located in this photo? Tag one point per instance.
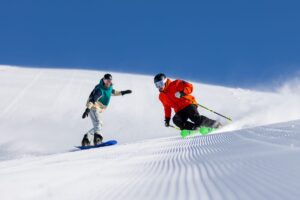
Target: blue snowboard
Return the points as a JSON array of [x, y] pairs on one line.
[[104, 144]]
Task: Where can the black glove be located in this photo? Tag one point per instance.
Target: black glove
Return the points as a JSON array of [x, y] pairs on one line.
[[167, 122], [86, 113], [126, 92]]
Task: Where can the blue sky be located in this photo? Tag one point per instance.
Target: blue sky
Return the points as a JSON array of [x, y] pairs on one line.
[[237, 43]]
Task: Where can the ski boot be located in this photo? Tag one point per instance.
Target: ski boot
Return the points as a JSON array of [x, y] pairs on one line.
[[217, 125], [97, 139], [85, 141]]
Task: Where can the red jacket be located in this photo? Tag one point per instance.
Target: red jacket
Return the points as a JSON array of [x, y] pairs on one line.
[[168, 99]]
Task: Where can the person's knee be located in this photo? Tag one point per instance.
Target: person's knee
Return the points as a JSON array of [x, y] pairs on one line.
[[197, 119], [177, 121]]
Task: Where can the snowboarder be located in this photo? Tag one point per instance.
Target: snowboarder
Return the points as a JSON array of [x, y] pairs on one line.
[[177, 95], [96, 104]]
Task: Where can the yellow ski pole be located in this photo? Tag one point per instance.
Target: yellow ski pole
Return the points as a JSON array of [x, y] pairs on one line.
[[214, 112], [175, 127]]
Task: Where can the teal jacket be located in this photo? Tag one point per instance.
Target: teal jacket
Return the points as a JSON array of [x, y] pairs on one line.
[[101, 93]]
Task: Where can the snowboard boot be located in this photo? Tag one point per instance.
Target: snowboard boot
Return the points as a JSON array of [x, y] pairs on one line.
[[97, 139], [85, 141]]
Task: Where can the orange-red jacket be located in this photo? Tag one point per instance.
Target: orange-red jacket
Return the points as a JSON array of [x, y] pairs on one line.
[[168, 99]]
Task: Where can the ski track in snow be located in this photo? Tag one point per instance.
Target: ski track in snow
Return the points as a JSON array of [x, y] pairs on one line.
[[257, 163]]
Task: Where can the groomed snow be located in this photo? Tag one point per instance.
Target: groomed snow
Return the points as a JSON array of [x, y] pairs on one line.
[[258, 163], [40, 122]]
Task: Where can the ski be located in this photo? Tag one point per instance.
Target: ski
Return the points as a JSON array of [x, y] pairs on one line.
[[203, 131]]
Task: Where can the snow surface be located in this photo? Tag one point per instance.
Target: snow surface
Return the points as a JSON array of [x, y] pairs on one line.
[[40, 121]]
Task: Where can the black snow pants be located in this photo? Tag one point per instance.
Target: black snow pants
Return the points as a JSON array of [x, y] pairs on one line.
[[191, 113]]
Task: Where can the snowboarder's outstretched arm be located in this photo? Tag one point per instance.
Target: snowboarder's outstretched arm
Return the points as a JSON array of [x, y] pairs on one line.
[[119, 93]]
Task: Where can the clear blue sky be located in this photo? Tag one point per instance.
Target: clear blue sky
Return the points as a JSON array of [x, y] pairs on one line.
[[238, 43]]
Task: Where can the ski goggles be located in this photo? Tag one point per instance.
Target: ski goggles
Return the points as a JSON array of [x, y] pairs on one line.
[[160, 84]]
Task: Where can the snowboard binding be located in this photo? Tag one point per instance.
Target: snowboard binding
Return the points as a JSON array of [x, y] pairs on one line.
[[85, 141], [97, 139]]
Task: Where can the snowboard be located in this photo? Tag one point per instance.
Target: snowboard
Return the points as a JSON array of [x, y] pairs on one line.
[[103, 144], [203, 131]]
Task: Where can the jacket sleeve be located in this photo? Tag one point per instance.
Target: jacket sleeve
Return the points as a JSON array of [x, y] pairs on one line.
[[93, 98], [185, 87], [95, 95], [116, 93], [167, 108]]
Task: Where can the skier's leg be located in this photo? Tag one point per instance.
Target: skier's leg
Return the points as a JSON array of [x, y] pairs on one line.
[[180, 120], [205, 121], [194, 115], [198, 119]]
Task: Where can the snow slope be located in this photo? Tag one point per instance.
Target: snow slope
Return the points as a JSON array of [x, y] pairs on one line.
[[40, 109], [257, 163], [40, 121]]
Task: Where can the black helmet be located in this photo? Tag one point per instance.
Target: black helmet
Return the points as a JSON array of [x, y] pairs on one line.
[[160, 80], [107, 77], [159, 77]]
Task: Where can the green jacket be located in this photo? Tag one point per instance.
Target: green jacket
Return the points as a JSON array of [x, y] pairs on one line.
[[105, 93], [101, 94]]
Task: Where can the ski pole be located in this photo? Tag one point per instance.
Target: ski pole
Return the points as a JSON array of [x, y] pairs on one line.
[[229, 119], [174, 127], [214, 112]]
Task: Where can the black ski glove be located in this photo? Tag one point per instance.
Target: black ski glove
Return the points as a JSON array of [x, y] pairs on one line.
[[167, 122], [126, 92], [86, 113]]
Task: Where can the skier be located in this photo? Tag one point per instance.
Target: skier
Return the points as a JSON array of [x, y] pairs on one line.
[[96, 104], [177, 95]]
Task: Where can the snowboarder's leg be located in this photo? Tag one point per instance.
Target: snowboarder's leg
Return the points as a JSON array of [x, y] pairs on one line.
[[180, 119], [93, 134], [95, 116], [85, 140], [97, 139]]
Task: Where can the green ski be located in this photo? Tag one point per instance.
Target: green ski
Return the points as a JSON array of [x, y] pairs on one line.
[[203, 131]]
